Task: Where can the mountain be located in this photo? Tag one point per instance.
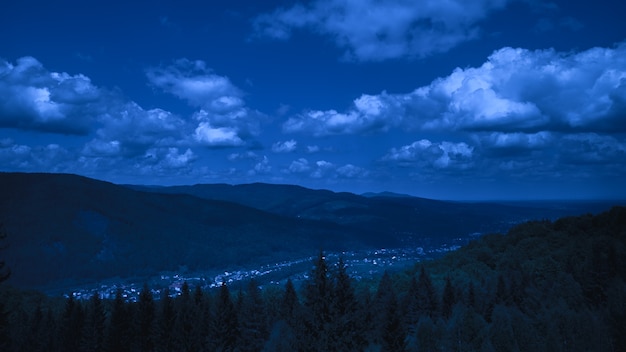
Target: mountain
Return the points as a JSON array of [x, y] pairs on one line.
[[407, 220], [65, 229]]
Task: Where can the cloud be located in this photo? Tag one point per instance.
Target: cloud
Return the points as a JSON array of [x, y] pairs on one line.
[[223, 118], [426, 154], [44, 158], [351, 171], [33, 98], [284, 147], [515, 90], [369, 113], [210, 136], [299, 166], [194, 82], [261, 167], [373, 30]]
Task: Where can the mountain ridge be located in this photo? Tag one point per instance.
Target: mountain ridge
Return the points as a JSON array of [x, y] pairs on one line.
[[65, 227]]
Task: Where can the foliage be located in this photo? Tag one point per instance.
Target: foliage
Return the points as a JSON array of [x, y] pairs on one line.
[[545, 286]]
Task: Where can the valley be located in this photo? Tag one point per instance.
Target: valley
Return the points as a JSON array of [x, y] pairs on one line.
[[361, 265]]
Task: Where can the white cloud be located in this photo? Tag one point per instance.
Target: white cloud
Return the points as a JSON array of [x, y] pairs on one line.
[[221, 105], [515, 90], [34, 98], [312, 149], [351, 171], [322, 169], [216, 136], [261, 167], [424, 153], [195, 83], [284, 147], [372, 30], [369, 113], [299, 166]]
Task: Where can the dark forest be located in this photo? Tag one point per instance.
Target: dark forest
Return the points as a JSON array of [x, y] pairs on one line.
[[544, 286]]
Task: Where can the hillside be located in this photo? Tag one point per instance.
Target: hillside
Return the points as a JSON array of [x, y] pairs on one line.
[[407, 220], [544, 286], [66, 227]]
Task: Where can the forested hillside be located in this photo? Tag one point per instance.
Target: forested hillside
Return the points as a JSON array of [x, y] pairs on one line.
[[544, 286]]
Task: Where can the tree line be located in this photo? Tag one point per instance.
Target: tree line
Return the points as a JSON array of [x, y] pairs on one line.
[[545, 286]]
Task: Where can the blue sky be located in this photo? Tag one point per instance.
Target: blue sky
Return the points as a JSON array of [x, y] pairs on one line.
[[483, 99]]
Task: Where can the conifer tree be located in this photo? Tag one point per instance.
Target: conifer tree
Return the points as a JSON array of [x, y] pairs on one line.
[[426, 295], [146, 320], [225, 336], [347, 334], [118, 337], [95, 324], [72, 321], [448, 300], [317, 301], [393, 334], [166, 323], [254, 329]]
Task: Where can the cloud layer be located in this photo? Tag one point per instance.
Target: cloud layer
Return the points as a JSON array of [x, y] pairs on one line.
[[514, 90], [375, 30]]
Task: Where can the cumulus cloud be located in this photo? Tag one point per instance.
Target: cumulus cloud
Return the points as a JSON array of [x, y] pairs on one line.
[[424, 153], [369, 114], [299, 166], [194, 82], [223, 118], [351, 171], [45, 158], [261, 167], [208, 135], [515, 90], [284, 147], [34, 98], [373, 30]]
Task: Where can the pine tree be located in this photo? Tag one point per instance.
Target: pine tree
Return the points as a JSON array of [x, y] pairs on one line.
[[95, 324], [118, 337], [317, 304], [72, 321], [347, 330], [5, 272], [145, 320], [426, 295], [393, 334], [448, 300], [252, 315], [166, 323], [290, 305], [225, 336]]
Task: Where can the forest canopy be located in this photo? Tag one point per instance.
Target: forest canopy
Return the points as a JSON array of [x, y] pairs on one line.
[[544, 286]]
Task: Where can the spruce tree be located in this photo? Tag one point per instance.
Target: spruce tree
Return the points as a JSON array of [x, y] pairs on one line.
[[72, 320], [347, 334], [95, 324], [448, 300], [166, 323], [145, 320], [119, 335], [317, 303], [252, 320], [225, 336]]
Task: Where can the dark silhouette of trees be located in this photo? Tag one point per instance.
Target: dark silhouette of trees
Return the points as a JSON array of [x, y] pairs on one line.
[[5, 272], [548, 287]]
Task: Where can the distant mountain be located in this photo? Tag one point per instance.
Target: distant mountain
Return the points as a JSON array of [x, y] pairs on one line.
[[385, 194], [65, 229], [398, 219]]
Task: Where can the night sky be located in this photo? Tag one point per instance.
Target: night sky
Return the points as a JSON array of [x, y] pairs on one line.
[[458, 99]]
